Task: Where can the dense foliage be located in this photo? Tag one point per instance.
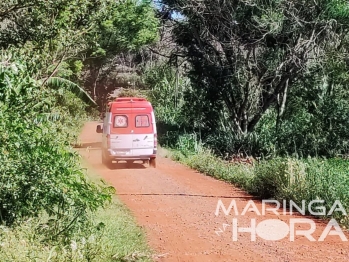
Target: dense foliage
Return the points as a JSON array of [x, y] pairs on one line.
[[48, 51], [39, 172], [266, 77]]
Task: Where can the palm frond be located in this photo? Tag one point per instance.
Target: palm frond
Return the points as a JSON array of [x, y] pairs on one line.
[[58, 82]]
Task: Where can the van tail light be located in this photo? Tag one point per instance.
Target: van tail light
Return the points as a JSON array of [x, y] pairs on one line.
[[155, 140], [108, 141]]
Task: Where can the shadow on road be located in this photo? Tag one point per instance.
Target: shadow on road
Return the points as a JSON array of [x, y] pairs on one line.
[[94, 145], [116, 166]]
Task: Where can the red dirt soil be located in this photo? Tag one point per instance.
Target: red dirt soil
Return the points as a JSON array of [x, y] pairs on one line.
[[176, 207]]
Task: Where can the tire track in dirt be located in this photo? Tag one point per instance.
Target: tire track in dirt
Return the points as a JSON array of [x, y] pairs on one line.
[[176, 207]]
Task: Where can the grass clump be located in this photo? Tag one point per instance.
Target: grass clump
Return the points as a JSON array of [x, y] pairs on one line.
[[111, 234], [280, 178]]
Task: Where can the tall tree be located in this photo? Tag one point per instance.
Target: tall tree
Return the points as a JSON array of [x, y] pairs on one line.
[[245, 55], [76, 40], [37, 21], [124, 26]]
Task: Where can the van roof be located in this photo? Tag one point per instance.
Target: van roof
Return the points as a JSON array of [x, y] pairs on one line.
[[135, 104]]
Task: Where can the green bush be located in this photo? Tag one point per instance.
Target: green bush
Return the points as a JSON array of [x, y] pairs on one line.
[[39, 171]]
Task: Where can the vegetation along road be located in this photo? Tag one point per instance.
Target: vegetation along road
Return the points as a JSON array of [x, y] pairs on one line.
[[250, 94], [176, 206]]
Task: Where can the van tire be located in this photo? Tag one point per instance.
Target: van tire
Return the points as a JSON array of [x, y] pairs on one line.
[[152, 162], [106, 160]]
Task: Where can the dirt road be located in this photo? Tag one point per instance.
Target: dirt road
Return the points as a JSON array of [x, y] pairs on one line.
[[176, 207]]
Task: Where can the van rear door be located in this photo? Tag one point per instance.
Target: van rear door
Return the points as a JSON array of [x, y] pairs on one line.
[[143, 135], [121, 135]]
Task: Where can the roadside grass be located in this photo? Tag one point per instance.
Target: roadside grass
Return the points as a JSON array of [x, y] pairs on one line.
[[123, 238], [111, 235], [279, 178]]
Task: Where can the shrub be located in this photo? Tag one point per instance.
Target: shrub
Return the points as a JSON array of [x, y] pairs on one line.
[[39, 172]]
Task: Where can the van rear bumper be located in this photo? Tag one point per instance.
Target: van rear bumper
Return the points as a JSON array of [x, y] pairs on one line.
[[131, 157], [117, 157], [126, 156]]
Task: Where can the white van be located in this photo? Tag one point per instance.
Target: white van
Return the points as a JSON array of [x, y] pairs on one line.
[[129, 131]]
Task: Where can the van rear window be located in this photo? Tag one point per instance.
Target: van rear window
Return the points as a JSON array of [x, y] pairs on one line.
[[120, 121], [142, 121]]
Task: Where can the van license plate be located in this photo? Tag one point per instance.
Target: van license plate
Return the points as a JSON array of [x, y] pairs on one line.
[[122, 152]]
